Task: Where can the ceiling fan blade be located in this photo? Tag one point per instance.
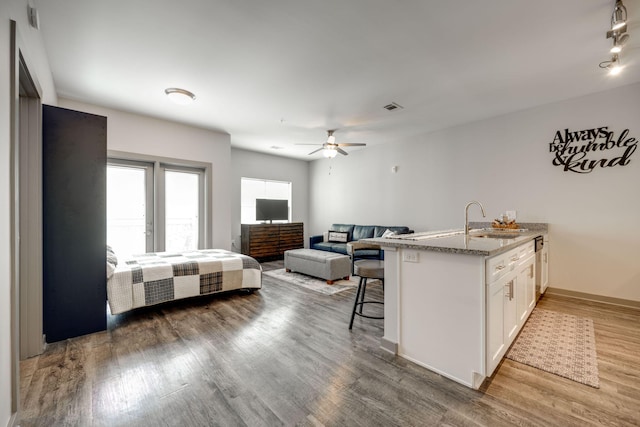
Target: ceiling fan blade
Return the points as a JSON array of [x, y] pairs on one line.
[[349, 144], [315, 151], [341, 151]]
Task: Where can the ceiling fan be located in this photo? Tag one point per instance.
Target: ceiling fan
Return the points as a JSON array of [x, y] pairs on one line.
[[332, 148]]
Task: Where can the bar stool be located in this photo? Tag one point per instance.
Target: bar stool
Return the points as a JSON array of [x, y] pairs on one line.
[[366, 269]]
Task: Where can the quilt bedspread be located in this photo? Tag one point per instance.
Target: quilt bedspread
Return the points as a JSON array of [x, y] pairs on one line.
[[153, 278]]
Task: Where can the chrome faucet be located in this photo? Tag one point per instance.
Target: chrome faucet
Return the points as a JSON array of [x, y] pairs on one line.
[[466, 215]]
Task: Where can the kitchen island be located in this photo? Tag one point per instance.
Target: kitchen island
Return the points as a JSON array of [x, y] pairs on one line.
[[454, 303]]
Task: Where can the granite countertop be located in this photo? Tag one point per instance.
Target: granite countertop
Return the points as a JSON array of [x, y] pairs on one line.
[[455, 242]]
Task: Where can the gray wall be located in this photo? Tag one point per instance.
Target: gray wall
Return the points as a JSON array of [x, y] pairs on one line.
[[249, 164], [504, 163]]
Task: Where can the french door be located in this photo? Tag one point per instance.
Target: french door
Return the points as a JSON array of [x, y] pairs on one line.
[[154, 207]]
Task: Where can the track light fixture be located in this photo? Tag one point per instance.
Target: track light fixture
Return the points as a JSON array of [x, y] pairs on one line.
[[618, 42], [619, 16], [613, 65], [618, 34]]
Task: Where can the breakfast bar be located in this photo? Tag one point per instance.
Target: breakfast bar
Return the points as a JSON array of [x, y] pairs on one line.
[[454, 302]]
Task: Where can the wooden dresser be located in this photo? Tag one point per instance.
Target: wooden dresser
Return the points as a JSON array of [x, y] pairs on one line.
[[264, 241]]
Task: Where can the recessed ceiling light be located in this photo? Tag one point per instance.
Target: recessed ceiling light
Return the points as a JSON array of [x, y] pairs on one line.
[[180, 96]]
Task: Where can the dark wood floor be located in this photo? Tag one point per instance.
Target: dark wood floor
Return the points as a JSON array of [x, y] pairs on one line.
[[284, 356]]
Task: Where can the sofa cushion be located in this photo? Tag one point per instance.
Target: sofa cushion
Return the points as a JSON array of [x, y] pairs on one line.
[[363, 232], [340, 248], [323, 246], [379, 230], [343, 227]]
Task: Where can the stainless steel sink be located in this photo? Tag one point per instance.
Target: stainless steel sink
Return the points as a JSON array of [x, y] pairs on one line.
[[495, 235]]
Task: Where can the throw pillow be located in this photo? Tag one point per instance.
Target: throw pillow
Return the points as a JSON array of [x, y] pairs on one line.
[[110, 269], [388, 233], [111, 256], [338, 236]]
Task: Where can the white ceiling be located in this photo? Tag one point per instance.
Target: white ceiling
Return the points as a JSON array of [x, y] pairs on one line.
[[281, 72]]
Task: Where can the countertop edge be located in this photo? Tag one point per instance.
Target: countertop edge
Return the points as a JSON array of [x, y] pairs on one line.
[[423, 245]]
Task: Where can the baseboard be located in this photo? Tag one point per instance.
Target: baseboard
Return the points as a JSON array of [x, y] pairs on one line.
[[389, 346], [13, 421], [596, 298]]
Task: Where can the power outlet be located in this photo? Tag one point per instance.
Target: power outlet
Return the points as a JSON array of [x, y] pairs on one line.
[[410, 256]]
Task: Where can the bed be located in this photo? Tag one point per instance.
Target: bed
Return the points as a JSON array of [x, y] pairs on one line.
[[154, 278]]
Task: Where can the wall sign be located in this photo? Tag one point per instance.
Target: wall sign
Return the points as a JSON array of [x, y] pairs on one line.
[[584, 151]]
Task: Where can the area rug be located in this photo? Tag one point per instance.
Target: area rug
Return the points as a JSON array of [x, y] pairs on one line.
[[559, 343], [315, 284]]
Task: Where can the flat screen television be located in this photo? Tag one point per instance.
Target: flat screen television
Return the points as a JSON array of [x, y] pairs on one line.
[[272, 210]]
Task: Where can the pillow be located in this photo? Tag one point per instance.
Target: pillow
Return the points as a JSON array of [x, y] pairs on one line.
[[388, 233], [110, 269], [111, 256], [338, 236]]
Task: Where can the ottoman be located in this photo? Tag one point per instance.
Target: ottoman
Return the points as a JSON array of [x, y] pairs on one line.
[[329, 266]]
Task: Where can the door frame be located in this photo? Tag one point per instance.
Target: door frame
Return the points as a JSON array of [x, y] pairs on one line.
[[25, 124]]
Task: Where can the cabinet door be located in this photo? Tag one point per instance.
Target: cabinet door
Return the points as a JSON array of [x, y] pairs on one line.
[[495, 324], [544, 269], [525, 290], [531, 286], [510, 309]]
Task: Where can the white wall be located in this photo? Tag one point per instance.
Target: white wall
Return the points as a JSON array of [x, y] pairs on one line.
[[504, 163], [38, 64], [145, 135], [249, 164]]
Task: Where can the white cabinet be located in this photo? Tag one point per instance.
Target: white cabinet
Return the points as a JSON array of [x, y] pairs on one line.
[[502, 318], [526, 289], [544, 268], [510, 280]]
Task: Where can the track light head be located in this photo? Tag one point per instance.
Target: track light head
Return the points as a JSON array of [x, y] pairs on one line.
[[619, 16], [613, 65], [618, 43]]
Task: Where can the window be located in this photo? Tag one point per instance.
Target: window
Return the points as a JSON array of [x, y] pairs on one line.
[[182, 209], [155, 206], [252, 189], [130, 207]]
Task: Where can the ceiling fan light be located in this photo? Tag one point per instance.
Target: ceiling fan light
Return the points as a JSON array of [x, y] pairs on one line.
[[180, 96], [330, 153], [616, 48]]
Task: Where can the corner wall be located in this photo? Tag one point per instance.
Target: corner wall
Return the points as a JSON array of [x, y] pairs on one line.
[[145, 135], [505, 163], [250, 164], [39, 66]]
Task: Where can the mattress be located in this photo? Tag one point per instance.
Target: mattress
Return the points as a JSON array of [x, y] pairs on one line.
[[158, 277]]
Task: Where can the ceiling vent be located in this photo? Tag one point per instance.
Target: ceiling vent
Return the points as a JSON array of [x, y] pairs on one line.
[[393, 106]]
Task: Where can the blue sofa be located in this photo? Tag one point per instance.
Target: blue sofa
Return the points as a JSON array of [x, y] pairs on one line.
[[355, 233]]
